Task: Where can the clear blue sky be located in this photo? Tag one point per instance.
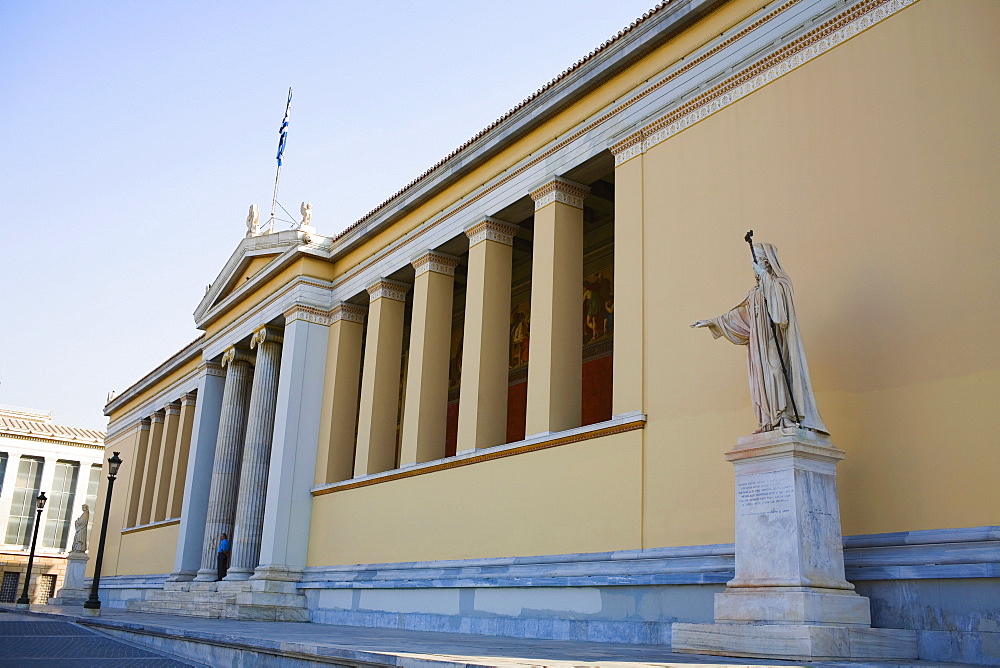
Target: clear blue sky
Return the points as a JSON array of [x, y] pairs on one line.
[[140, 132]]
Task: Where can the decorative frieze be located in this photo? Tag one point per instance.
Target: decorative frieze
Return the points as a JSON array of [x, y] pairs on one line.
[[265, 333], [173, 408], [348, 312], [492, 229], [627, 149], [157, 417], [144, 424], [560, 190], [236, 354], [317, 316], [212, 369], [436, 262], [189, 399], [386, 289]]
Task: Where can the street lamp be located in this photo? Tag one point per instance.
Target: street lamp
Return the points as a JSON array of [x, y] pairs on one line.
[[93, 604], [23, 602]]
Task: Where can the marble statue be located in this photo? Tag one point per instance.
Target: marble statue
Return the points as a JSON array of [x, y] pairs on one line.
[[253, 222], [80, 537], [307, 214], [766, 323]]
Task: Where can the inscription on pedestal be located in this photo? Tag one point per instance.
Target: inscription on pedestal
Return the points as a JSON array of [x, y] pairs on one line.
[[764, 494]]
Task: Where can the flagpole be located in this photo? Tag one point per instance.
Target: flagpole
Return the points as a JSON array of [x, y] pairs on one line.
[[282, 138]]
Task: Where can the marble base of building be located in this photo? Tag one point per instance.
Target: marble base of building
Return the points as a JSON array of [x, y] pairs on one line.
[[257, 600], [790, 598]]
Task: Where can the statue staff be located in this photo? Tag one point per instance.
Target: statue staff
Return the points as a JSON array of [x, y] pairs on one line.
[[774, 333]]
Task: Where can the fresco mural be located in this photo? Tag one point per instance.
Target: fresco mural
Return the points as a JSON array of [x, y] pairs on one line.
[[520, 325], [598, 305]]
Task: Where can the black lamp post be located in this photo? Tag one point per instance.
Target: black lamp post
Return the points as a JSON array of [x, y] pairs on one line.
[[23, 602], [94, 603]]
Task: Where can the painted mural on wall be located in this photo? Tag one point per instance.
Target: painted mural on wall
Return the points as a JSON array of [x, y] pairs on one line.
[[598, 305], [520, 325]]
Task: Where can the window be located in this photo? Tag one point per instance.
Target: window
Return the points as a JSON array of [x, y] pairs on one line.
[[8, 589], [22, 507], [3, 469], [46, 588], [60, 507], [92, 485]]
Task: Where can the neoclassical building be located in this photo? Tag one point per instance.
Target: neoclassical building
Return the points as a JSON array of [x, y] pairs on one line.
[[481, 407], [38, 455]]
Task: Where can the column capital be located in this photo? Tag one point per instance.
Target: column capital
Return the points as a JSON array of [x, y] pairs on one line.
[[211, 369], [435, 261], [626, 149], [491, 229], [348, 312], [317, 316], [189, 399], [235, 354], [173, 408], [144, 424], [265, 333], [389, 290], [158, 417], [558, 189]]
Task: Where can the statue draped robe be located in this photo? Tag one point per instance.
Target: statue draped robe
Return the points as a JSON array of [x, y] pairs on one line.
[[749, 324]]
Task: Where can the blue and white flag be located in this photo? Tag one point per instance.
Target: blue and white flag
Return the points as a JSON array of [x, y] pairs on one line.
[[283, 130]]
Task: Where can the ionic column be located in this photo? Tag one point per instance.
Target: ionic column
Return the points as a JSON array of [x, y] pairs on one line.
[[425, 413], [198, 477], [339, 413], [482, 404], [182, 448], [228, 455], [376, 449], [256, 454], [138, 470], [165, 469], [628, 362], [555, 369], [148, 485]]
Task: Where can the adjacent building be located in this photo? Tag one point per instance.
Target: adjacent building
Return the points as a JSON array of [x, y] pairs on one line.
[[481, 408], [37, 455]]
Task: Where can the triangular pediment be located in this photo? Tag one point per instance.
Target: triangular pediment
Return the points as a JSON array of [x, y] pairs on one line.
[[252, 260]]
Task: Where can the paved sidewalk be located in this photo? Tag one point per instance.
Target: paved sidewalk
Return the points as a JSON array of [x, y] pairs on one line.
[[337, 644], [28, 640]]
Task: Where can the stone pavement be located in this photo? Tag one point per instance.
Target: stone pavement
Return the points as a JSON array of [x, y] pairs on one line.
[[33, 640], [232, 642]]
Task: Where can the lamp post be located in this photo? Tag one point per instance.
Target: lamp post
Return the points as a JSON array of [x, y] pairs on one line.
[[23, 602], [93, 605]]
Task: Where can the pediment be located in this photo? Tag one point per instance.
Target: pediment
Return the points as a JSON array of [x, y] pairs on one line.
[[252, 259]]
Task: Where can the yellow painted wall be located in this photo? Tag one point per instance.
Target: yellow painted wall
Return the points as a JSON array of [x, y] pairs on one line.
[[150, 551], [125, 444], [579, 497], [874, 169]]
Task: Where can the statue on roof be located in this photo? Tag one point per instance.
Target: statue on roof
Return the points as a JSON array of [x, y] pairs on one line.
[[80, 537], [253, 222], [765, 322], [307, 214]]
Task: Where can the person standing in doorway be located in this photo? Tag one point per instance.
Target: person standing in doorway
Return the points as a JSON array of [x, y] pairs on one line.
[[222, 559]]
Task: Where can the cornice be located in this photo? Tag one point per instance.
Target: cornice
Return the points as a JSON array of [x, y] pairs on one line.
[[174, 362]]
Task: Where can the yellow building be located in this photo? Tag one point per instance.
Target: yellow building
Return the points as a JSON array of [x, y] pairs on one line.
[[363, 417]]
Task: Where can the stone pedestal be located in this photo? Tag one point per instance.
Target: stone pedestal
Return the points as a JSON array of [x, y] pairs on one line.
[[73, 591], [789, 598]]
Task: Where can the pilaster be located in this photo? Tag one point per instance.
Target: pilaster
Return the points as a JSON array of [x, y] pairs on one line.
[[629, 357], [221, 511], [198, 475], [256, 454], [555, 372], [425, 413], [482, 406], [137, 471], [339, 413], [148, 484], [165, 469], [376, 451]]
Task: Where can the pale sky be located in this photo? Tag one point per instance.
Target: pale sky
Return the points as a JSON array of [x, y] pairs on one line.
[[138, 134]]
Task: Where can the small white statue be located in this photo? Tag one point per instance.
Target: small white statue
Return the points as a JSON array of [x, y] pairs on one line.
[[765, 322], [307, 214], [253, 222], [80, 537]]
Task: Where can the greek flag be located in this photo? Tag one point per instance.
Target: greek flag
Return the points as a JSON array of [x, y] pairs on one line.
[[283, 130]]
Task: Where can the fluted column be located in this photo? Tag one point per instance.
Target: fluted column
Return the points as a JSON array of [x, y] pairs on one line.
[[198, 477], [183, 447], [228, 456], [138, 469], [425, 415], [376, 451], [555, 369], [148, 490], [165, 469], [482, 404], [256, 454], [339, 416]]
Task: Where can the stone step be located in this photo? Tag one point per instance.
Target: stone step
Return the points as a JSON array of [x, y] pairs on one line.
[[267, 613], [266, 598], [207, 610], [192, 598]]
